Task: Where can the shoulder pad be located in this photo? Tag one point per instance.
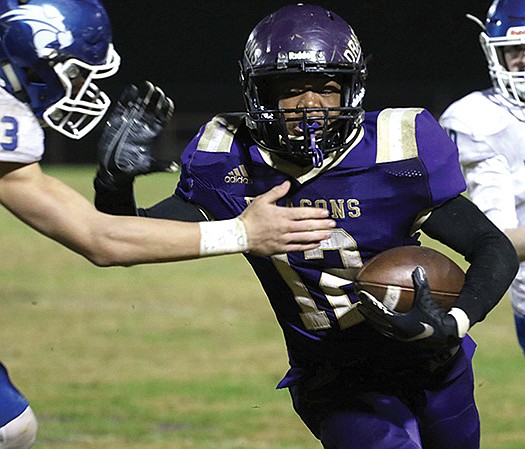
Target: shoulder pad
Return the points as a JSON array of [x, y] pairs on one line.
[[477, 116], [219, 132], [396, 134], [23, 136]]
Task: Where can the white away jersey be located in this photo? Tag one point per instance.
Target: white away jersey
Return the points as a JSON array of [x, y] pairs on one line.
[[491, 141], [21, 136], [490, 135]]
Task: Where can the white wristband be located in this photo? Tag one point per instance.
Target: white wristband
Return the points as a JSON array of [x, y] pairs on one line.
[[223, 237], [462, 320]]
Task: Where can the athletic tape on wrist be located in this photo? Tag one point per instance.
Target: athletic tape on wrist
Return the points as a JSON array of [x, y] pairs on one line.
[[223, 237], [462, 321]]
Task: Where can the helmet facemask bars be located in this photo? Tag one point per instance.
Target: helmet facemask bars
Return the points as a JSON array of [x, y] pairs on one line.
[[302, 42]]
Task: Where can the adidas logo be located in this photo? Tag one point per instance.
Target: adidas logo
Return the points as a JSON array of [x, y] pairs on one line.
[[238, 175]]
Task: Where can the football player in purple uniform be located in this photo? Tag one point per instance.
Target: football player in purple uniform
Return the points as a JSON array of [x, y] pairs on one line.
[[360, 376], [51, 51]]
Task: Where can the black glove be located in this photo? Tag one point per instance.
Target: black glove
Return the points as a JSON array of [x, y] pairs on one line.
[[131, 135], [426, 323]]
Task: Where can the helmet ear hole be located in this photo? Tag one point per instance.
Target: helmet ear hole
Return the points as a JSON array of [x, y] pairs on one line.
[[33, 77]]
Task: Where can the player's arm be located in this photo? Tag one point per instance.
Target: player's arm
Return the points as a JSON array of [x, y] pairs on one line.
[[460, 225], [117, 198], [517, 237], [490, 181], [491, 188], [59, 212], [127, 149]]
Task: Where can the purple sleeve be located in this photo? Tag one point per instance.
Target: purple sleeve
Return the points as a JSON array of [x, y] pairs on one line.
[[439, 155], [198, 182], [184, 187]]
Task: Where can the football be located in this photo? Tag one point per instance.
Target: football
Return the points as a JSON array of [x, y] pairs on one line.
[[388, 277]]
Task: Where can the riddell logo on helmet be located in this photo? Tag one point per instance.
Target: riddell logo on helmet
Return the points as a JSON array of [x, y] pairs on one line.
[[306, 55], [516, 31]]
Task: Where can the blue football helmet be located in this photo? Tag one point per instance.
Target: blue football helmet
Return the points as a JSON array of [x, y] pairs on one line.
[[294, 41], [504, 26], [51, 51]]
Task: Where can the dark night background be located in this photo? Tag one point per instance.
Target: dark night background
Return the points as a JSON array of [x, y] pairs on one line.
[[423, 53]]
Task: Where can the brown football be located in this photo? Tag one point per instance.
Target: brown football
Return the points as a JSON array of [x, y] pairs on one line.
[[388, 277]]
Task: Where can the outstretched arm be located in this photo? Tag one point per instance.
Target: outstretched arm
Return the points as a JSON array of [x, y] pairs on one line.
[[127, 146], [127, 149], [59, 212]]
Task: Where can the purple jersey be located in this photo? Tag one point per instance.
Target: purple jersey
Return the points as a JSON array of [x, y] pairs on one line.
[[400, 165]]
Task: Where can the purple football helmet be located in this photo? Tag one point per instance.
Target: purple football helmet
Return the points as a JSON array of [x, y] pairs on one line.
[[504, 26], [302, 40], [50, 52]]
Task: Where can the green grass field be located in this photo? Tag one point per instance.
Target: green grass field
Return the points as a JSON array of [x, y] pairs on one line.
[[178, 356]]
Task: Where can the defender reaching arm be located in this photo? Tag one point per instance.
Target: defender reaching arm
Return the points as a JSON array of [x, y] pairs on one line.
[[59, 212]]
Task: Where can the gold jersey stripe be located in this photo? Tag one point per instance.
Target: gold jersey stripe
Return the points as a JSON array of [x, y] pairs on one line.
[[239, 171], [217, 136], [243, 171], [396, 134], [311, 316]]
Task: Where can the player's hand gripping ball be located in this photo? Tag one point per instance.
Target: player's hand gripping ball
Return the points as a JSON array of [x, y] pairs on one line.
[[406, 293], [388, 277]]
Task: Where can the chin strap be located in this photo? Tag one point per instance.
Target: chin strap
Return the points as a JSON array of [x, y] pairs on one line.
[[11, 77]]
